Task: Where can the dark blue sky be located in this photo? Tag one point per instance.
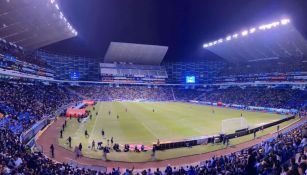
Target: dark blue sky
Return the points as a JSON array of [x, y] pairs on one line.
[[183, 25]]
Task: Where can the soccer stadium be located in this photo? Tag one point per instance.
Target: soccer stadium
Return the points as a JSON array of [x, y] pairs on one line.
[[153, 87]]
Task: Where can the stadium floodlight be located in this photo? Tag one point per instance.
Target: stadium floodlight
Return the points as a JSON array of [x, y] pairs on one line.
[[61, 15], [52, 1], [252, 30], [275, 24], [244, 33], [228, 38], [205, 45], [57, 6], [269, 26], [262, 27], [285, 21], [235, 35]]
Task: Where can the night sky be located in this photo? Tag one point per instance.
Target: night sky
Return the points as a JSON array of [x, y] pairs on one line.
[[183, 25]]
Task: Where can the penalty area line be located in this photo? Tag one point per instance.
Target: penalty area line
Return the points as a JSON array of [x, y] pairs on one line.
[[148, 129], [92, 132]]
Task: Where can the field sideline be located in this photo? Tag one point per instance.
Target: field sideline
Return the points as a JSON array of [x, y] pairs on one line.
[[141, 125]]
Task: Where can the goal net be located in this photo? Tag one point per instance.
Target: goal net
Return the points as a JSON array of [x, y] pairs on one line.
[[233, 124]]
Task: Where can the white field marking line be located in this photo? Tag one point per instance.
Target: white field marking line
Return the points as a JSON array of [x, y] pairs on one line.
[[79, 131], [90, 138], [183, 122], [148, 129], [145, 126]]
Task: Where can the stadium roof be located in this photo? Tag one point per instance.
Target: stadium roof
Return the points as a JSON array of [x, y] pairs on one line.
[[135, 53], [276, 40], [32, 24]]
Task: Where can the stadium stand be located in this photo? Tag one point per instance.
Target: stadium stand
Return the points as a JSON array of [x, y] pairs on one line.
[[23, 102], [34, 87], [265, 158]]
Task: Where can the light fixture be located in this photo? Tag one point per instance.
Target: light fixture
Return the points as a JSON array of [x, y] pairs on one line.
[[252, 30], [275, 24], [263, 27], [285, 21], [228, 38], [235, 35], [61, 15], [244, 33]]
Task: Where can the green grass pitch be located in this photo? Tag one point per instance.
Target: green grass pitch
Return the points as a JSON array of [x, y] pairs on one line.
[[170, 121]]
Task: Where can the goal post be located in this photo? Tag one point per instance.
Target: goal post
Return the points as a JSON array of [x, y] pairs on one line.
[[233, 124]]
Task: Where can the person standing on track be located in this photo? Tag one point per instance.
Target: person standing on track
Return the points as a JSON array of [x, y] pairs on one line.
[[80, 147], [86, 134], [61, 133], [69, 141], [52, 150], [93, 145], [102, 132], [158, 145]]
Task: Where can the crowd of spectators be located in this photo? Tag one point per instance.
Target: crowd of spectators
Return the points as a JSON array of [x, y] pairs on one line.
[[126, 93], [269, 157], [284, 154], [22, 103], [257, 96], [285, 98], [18, 159]]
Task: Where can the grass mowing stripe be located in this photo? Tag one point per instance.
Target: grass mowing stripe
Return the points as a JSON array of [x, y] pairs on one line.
[[140, 125]]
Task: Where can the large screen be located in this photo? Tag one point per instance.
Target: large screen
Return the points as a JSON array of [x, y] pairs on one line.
[[74, 75], [190, 79]]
